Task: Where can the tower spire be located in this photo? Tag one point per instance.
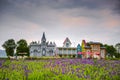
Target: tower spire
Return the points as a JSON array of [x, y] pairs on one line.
[[43, 38]]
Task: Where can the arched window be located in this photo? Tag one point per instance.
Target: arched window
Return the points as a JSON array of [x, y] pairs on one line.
[[50, 51], [35, 50], [67, 44]]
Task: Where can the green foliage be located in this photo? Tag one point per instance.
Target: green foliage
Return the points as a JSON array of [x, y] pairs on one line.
[[9, 47], [88, 44], [111, 51], [60, 55], [22, 47], [101, 45], [74, 56], [51, 70], [117, 55], [112, 59]]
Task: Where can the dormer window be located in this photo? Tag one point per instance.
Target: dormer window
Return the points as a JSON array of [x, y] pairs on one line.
[[67, 44]]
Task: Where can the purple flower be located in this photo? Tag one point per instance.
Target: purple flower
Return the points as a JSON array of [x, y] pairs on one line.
[[63, 65], [77, 69], [72, 71], [0, 64], [7, 79], [63, 70], [78, 75]]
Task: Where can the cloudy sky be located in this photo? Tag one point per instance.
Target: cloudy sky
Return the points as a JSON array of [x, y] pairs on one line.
[[92, 20]]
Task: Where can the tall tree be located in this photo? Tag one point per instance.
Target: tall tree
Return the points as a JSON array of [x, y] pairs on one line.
[[9, 47], [22, 48], [111, 51]]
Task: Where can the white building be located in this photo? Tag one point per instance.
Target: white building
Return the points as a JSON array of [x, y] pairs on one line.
[[3, 54], [117, 46], [44, 48], [67, 49]]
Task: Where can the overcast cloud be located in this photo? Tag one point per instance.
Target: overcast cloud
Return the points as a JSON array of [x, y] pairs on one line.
[[92, 20]]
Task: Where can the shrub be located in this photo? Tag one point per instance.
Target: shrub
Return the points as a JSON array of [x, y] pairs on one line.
[[74, 56], [60, 55]]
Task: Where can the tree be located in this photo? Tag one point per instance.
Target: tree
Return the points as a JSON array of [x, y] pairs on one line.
[[111, 51], [101, 45], [22, 48], [9, 47], [88, 43]]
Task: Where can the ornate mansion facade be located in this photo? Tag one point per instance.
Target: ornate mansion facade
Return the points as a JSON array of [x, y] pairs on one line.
[[42, 49]]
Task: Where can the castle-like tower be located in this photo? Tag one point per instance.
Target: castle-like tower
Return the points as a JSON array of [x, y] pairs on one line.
[[42, 49], [43, 44]]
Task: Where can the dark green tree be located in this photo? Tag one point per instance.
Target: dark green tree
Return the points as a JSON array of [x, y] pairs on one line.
[[9, 47], [101, 45], [88, 43], [111, 51], [22, 48]]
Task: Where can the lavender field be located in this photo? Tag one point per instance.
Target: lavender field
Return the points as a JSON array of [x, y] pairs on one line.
[[60, 69]]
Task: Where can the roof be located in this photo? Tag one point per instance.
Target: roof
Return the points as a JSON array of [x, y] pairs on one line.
[[87, 47], [67, 40], [117, 45], [94, 42], [35, 43], [102, 47], [51, 45]]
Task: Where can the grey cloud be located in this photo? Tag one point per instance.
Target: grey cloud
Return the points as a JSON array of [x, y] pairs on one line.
[[18, 16], [61, 4], [4, 4], [117, 7]]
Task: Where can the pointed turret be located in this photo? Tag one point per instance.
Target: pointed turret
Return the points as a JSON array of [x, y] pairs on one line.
[[79, 48], [43, 38], [83, 45], [79, 51]]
